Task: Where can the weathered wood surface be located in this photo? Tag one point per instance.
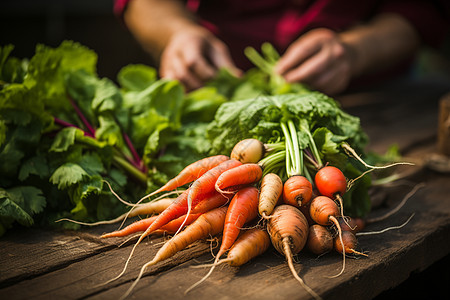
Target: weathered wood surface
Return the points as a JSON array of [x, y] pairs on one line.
[[48, 264]]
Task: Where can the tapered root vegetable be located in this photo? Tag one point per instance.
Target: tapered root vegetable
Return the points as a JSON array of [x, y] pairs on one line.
[[242, 209], [288, 230], [177, 209], [297, 191], [208, 224], [324, 211], [331, 182], [248, 151], [206, 183], [149, 208], [240, 175], [142, 225], [270, 191], [213, 201], [350, 244], [320, 240], [191, 173], [250, 244]]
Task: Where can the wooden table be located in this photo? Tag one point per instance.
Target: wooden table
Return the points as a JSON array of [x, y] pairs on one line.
[[48, 264]]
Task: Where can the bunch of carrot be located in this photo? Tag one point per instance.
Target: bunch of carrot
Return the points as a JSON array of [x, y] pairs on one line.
[[225, 194]]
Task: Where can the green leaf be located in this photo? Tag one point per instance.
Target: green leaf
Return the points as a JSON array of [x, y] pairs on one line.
[[107, 96], [68, 174], [10, 212], [136, 77], [64, 139], [108, 130], [36, 165], [29, 198], [20, 204], [330, 150], [201, 105], [91, 163]]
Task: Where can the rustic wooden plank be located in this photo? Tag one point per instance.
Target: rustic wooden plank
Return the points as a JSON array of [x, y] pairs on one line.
[[87, 276], [55, 249], [392, 257]]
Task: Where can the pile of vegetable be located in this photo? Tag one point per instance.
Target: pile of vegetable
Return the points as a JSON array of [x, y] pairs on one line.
[[249, 152], [65, 133]]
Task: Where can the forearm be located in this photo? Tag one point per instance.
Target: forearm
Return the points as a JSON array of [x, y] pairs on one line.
[[387, 40], [153, 22]]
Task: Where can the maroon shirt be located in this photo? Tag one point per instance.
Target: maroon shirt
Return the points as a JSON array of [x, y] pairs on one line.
[[251, 22]]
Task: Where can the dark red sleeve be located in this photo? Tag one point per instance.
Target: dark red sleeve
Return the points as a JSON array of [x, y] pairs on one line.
[[429, 18], [119, 7]]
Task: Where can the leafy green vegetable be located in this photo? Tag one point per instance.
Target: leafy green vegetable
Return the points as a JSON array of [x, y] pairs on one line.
[[64, 132]]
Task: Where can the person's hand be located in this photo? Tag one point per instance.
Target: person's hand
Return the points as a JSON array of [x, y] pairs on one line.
[[319, 59], [193, 56]]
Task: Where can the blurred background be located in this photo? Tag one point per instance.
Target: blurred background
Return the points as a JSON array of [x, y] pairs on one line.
[[25, 23]]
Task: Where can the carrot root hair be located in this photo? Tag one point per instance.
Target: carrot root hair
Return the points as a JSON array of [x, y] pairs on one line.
[[289, 257], [138, 278], [336, 223]]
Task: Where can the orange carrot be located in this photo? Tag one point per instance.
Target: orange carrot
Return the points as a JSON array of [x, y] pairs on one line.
[[320, 240], [250, 244], [297, 191], [177, 209], [208, 224], [149, 208], [191, 173], [243, 174], [324, 211], [174, 225], [134, 227], [271, 190], [142, 225], [350, 244], [288, 230], [152, 207], [206, 183], [242, 209], [214, 201]]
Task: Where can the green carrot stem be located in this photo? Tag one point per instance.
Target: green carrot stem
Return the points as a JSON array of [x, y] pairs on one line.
[[298, 157], [289, 148], [132, 170], [308, 175], [312, 145]]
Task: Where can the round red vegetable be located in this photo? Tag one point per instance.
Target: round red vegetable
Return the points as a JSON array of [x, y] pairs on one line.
[[330, 181]]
